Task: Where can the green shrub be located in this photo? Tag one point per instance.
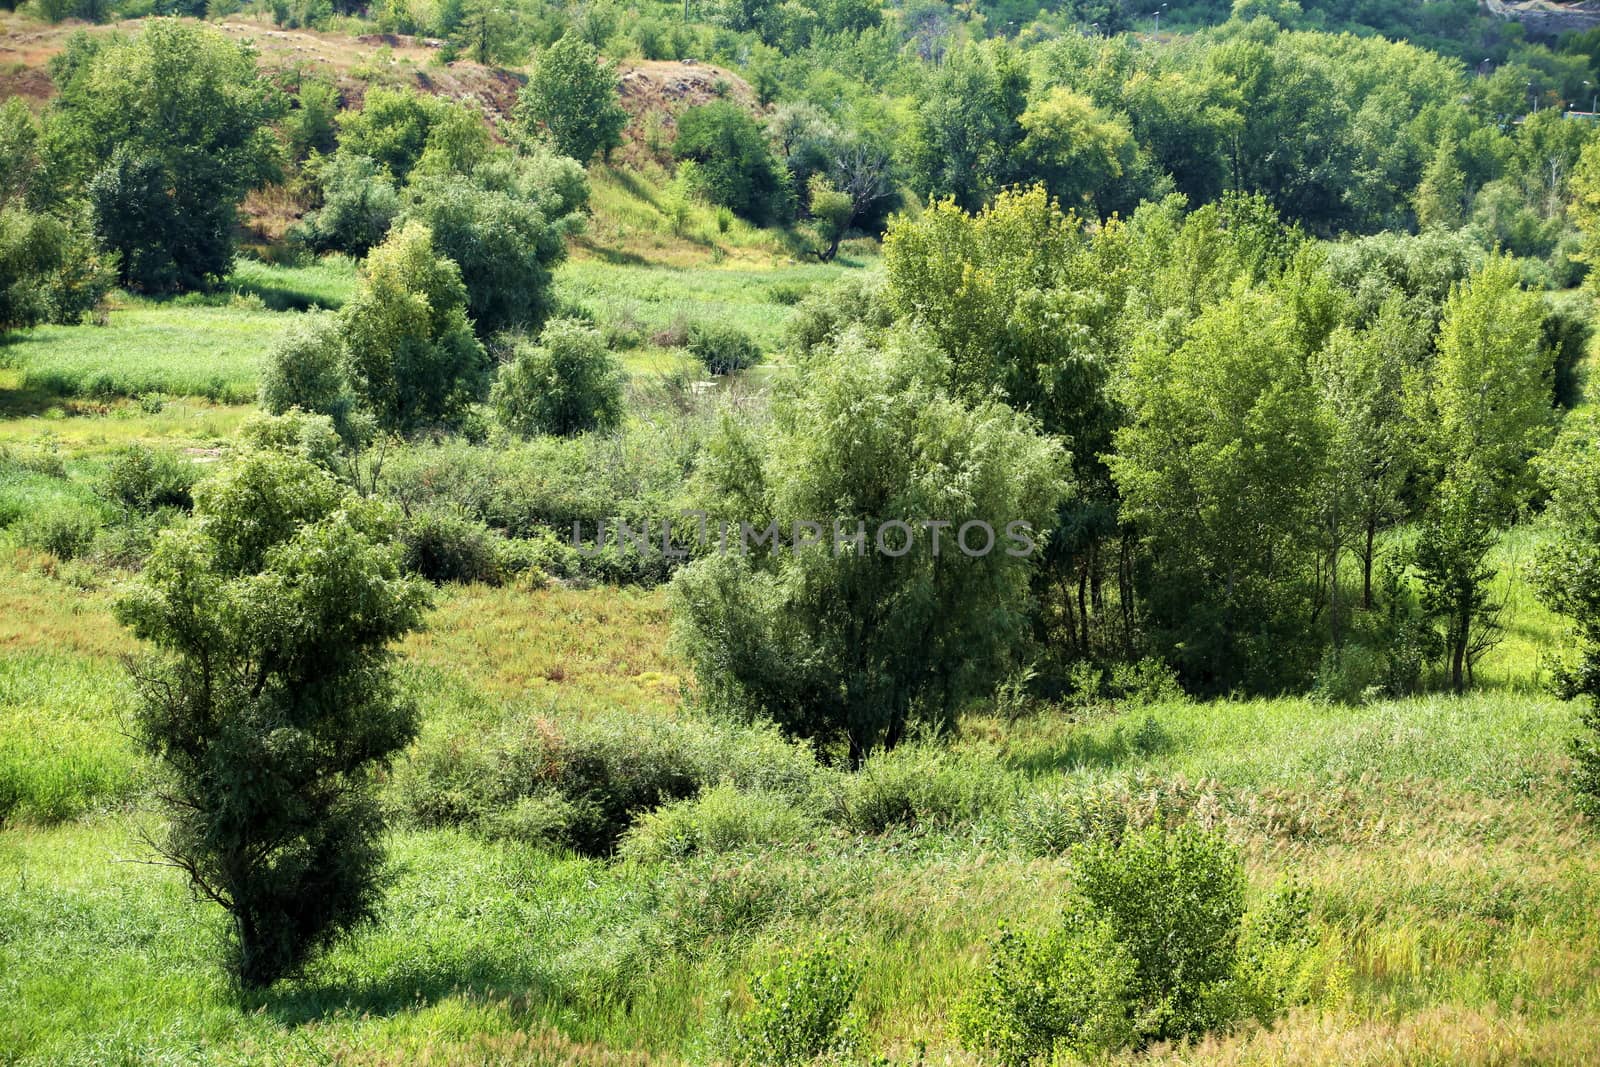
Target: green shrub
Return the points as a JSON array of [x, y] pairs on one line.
[[64, 531], [144, 480], [822, 316], [721, 347], [443, 545], [921, 785], [567, 384], [580, 785], [1149, 949], [734, 166], [720, 819], [799, 1010], [1176, 900], [359, 204], [1052, 997], [1050, 821]]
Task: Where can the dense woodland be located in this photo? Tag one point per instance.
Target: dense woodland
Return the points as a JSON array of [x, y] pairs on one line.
[[1269, 323]]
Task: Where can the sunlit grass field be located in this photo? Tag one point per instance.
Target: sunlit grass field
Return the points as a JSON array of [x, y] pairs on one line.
[[1453, 884]]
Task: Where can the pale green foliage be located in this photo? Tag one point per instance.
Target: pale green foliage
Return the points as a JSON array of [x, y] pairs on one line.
[[573, 95], [799, 1010], [1154, 945], [866, 435], [411, 358], [1490, 399], [566, 384], [270, 701], [1079, 152], [1487, 409]]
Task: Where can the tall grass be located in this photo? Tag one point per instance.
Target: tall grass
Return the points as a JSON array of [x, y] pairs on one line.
[[174, 348]]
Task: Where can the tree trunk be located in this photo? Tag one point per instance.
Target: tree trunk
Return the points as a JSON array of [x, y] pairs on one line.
[[1366, 564]]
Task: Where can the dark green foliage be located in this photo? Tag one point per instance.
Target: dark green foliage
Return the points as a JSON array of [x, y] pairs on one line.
[[566, 384], [723, 348], [504, 244], [144, 480], [966, 125], [359, 202], [172, 127], [824, 314], [445, 546], [269, 702], [734, 165], [573, 95]]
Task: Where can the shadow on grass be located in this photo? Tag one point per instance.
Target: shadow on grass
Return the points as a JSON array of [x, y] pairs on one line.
[[1085, 749], [614, 256], [313, 1000]]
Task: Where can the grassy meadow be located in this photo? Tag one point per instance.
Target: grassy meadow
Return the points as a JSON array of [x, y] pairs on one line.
[[1452, 883]]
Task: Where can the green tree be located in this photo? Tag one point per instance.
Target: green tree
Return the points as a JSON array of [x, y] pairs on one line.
[[1219, 468], [391, 128], [503, 243], [1079, 152], [175, 125], [1441, 198], [1488, 410], [961, 140], [567, 384], [410, 356], [843, 643], [486, 32], [270, 701], [1023, 303], [1567, 576], [573, 94], [1362, 376], [734, 165]]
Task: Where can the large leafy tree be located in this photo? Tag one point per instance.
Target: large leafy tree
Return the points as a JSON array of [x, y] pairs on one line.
[[573, 94], [168, 130], [409, 353], [849, 644], [1218, 468], [1488, 408], [966, 127], [1567, 575], [270, 701]]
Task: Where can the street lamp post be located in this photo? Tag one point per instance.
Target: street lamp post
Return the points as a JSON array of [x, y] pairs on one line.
[[1156, 14]]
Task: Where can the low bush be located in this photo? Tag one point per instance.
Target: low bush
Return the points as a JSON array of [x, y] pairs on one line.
[[1154, 945], [580, 785], [566, 384], [722, 348], [799, 1010], [64, 531], [144, 480], [443, 545], [721, 819], [921, 785]]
